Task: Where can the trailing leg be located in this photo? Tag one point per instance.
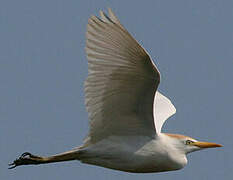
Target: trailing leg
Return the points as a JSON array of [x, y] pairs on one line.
[[30, 159]]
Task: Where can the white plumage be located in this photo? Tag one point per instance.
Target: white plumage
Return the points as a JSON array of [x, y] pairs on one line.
[[125, 110]]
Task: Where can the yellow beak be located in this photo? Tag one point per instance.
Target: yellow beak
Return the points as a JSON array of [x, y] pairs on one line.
[[206, 144]]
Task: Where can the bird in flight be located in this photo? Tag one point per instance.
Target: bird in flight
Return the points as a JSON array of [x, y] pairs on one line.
[[125, 109]]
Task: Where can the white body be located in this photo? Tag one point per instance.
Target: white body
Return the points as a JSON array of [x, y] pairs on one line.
[[126, 112], [138, 154]]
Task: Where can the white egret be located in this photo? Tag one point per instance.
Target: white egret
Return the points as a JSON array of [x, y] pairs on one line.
[[125, 110]]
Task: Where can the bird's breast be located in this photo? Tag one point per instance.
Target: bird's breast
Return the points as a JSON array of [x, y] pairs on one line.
[[140, 155]]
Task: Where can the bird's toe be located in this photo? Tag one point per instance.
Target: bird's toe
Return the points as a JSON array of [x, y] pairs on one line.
[[25, 159]]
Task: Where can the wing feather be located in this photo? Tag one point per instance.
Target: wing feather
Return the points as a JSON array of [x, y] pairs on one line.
[[163, 109], [121, 83]]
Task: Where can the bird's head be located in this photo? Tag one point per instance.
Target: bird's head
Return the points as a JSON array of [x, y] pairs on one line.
[[188, 144]]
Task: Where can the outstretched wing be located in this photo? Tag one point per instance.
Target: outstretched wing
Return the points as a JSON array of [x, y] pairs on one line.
[[163, 109], [121, 83]]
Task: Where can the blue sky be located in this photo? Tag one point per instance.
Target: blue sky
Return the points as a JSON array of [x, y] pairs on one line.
[[43, 66]]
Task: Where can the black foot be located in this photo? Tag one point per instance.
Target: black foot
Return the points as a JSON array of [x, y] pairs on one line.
[[25, 159]]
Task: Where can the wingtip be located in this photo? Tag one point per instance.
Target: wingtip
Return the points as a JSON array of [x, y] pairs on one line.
[[109, 9], [101, 12], [110, 12]]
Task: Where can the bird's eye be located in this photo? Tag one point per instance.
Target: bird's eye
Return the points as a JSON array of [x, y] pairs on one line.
[[187, 142]]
